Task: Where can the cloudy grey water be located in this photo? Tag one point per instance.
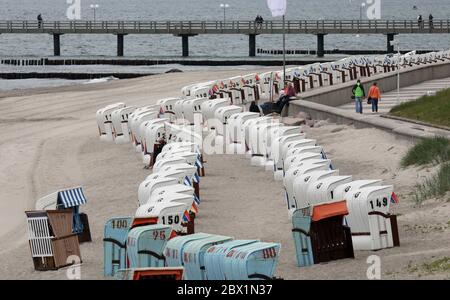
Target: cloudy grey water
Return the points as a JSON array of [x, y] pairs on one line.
[[209, 45]]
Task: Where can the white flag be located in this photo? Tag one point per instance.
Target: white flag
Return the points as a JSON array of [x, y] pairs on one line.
[[278, 7]]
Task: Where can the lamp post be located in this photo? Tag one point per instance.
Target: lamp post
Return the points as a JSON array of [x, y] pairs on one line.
[[224, 6], [396, 43], [94, 8]]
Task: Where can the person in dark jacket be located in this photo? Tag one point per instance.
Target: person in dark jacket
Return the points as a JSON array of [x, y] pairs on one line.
[[359, 94], [254, 108], [39, 18]]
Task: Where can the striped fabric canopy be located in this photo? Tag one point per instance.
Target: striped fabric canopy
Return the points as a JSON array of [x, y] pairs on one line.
[[71, 197]]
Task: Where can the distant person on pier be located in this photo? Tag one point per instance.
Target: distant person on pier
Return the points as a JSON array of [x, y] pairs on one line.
[[358, 94], [430, 21], [374, 96], [420, 21], [39, 18]]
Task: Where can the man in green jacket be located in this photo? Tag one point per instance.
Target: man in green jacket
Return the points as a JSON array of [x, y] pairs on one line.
[[359, 94]]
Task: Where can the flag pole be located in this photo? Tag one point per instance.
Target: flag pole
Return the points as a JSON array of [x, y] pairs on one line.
[[284, 52]]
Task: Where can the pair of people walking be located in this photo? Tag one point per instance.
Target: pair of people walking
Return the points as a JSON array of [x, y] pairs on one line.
[[359, 94]]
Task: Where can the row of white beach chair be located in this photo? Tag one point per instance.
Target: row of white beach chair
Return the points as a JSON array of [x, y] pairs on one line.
[[244, 89]]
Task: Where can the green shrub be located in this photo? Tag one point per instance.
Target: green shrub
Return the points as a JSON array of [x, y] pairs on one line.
[[435, 186], [430, 150]]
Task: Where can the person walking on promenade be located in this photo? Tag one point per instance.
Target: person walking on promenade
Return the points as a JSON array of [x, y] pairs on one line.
[[430, 21], [358, 94], [374, 96]]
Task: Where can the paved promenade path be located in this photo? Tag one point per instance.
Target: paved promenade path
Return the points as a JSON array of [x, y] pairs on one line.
[[410, 93]]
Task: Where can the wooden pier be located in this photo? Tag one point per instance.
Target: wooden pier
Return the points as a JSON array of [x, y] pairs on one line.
[[186, 29]]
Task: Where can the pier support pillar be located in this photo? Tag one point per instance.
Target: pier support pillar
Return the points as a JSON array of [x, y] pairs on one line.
[[252, 45], [185, 45], [120, 44], [320, 45], [56, 44], [390, 37]]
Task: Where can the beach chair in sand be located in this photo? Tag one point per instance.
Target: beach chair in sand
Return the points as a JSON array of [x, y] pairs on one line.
[[165, 213], [145, 245], [155, 181], [319, 234], [258, 139], [295, 158], [302, 182], [373, 227], [327, 74], [235, 131], [71, 198], [209, 108], [114, 244], [201, 92], [277, 152], [191, 108], [194, 254], [273, 137], [104, 121], [178, 110], [175, 247], [249, 83], [292, 153], [121, 132], [214, 258], [252, 261], [136, 128], [295, 144], [268, 85], [152, 140], [235, 85], [222, 115], [167, 107], [322, 191], [247, 130], [296, 171], [52, 243]]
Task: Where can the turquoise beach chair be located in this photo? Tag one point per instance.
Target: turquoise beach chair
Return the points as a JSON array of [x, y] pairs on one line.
[[174, 248], [254, 261], [145, 245], [193, 256], [301, 221], [114, 244], [215, 256]]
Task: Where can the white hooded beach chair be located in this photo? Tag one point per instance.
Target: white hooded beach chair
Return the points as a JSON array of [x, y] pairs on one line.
[[209, 107], [104, 121], [119, 117], [191, 107], [369, 218], [294, 172], [323, 191], [168, 213], [301, 184]]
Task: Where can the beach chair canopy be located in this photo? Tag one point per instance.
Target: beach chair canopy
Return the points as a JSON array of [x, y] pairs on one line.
[[62, 199]]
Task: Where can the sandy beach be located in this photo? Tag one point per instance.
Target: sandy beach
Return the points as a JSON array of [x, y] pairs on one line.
[[49, 140]]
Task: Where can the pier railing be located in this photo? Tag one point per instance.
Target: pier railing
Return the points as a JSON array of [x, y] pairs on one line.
[[229, 27]]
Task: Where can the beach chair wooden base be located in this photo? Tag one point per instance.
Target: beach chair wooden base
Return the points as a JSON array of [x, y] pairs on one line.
[[331, 240], [63, 248], [85, 236], [394, 228]]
